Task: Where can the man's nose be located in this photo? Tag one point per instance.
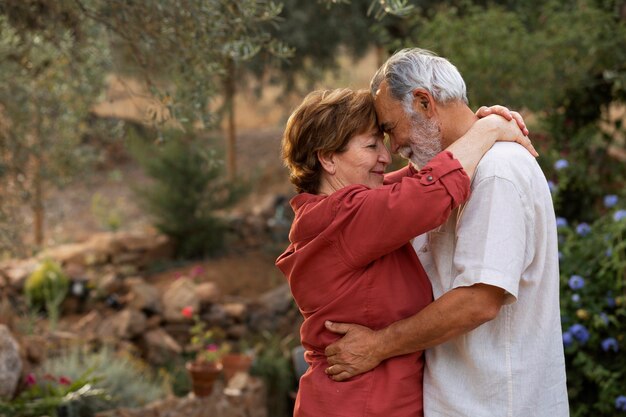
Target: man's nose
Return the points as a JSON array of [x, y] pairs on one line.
[[393, 144]]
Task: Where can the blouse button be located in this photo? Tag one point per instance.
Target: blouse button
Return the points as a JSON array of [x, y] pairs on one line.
[[429, 178]]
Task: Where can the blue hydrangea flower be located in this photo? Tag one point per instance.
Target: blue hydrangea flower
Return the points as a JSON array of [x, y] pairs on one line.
[[620, 403], [610, 344], [583, 229], [553, 187], [576, 282], [576, 298], [609, 252], [561, 222], [579, 332], [610, 301], [619, 215], [604, 318], [610, 200], [568, 339], [561, 164]]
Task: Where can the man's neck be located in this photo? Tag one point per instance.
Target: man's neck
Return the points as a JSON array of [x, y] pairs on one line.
[[456, 119]]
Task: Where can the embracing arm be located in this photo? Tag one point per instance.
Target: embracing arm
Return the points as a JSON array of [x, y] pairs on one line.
[[470, 148], [456, 312]]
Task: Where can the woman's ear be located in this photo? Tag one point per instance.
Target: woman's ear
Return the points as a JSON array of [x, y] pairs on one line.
[[327, 160]]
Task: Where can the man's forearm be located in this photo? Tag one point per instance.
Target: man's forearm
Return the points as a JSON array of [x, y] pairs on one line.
[[455, 313]]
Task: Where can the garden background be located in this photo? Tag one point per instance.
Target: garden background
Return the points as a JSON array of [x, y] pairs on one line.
[[154, 126]]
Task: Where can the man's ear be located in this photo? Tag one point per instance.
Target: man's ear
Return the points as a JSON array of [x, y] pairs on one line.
[[423, 102], [327, 159]]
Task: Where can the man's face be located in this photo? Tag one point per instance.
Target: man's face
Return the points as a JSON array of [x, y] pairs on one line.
[[413, 135]]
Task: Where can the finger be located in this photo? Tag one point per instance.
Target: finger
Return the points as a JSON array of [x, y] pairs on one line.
[[520, 122], [334, 370], [341, 328], [502, 111], [332, 359], [341, 377], [525, 141], [483, 111]]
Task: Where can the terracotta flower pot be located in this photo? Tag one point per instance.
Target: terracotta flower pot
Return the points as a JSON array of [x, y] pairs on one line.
[[203, 375], [236, 362]]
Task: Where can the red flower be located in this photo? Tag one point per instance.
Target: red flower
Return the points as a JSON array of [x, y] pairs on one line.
[[30, 379], [212, 347], [63, 380], [187, 312], [197, 271]]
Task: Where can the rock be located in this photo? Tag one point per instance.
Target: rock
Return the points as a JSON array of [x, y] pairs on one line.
[[236, 310], [34, 348], [143, 296], [10, 363], [87, 326], [125, 258], [153, 322], [237, 331], [180, 294], [278, 299], [248, 401], [160, 347], [208, 293], [108, 284], [129, 323], [68, 253], [107, 329], [16, 271], [162, 248]]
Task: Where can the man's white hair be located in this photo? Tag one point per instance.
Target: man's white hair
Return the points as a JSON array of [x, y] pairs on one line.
[[413, 68]]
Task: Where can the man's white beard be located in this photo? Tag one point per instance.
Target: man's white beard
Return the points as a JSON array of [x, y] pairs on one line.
[[425, 139]]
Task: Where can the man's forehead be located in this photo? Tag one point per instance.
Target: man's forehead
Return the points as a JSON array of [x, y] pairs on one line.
[[383, 109]]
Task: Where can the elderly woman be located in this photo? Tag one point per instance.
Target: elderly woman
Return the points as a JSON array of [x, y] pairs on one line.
[[350, 259]]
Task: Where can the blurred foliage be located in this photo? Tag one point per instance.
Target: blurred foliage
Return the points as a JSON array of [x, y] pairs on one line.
[[593, 307], [53, 58], [127, 381], [55, 396], [46, 288], [186, 191], [273, 363], [48, 78]]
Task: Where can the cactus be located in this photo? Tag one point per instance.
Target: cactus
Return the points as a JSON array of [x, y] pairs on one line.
[[47, 288]]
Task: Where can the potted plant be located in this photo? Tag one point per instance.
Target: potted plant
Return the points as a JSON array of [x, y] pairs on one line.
[[206, 366], [239, 358]]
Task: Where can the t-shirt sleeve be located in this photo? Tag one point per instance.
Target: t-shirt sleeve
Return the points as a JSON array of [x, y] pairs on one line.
[[378, 221], [491, 237]]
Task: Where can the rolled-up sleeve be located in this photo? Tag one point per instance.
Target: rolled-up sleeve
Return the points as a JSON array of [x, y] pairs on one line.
[[381, 220]]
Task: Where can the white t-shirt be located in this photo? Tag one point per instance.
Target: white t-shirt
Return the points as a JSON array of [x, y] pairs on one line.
[[505, 235]]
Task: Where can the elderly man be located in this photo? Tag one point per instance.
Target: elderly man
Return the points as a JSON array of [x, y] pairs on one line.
[[493, 333]]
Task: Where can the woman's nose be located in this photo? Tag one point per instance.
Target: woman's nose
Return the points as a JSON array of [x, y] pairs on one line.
[[385, 156]]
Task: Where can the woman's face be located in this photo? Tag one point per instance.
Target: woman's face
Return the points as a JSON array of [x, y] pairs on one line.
[[363, 161]]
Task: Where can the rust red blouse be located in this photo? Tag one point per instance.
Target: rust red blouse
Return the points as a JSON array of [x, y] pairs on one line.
[[350, 261]]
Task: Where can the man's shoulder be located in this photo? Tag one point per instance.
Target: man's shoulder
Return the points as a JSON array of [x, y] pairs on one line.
[[508, 160]]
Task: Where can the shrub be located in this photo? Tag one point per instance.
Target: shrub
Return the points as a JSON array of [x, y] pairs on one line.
[[47, 287], [56, 396], [128, 381], [186, 191], [273, 364], [593, 305]]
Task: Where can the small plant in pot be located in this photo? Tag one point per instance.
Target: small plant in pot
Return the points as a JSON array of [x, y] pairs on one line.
[[207, 366], [239, 358]]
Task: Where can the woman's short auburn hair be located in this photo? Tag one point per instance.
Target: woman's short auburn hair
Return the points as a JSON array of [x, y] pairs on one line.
[[324, 122]]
